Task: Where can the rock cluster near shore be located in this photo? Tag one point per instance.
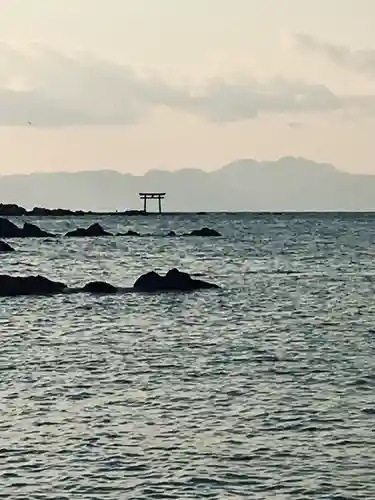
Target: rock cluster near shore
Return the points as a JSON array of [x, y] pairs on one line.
[[152, 282], [10, 230]]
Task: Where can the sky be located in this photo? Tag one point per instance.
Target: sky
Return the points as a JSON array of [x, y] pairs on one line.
[[137, 85]]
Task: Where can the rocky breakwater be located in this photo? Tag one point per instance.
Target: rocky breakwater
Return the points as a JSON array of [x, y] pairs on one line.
[[152, 282]]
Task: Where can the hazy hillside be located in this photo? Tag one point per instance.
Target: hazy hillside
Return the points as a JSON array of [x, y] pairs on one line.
[[286, 184]]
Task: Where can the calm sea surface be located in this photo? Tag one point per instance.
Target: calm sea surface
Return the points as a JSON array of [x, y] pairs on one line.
[[264, 389]]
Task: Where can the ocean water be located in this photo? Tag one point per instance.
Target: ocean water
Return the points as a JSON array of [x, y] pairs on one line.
[[264, 389]]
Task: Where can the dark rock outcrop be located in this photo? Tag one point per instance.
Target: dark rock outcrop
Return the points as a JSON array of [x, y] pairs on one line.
[[10, 209], [13, 210], [32, 231], [10, 230], [171, 233], [205, 231], [54, 212], [5, 248], [12, 286], [94, 230], [174, 280], [99, 287]]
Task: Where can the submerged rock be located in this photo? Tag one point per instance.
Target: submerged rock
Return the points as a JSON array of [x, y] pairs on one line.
[[129, 233], [4, 247], [205, 231], [174, 280], [94, 230]]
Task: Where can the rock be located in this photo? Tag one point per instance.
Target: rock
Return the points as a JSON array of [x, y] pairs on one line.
[[9, 230], [94, 230], [11, 286], [205, 231], [32, 231], [149, 282], [11, 209], [171, 233], [55, 212], [99, 287], [174, 280], [4, 247]]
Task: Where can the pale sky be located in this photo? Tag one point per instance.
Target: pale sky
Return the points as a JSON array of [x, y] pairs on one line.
[[134, 85]]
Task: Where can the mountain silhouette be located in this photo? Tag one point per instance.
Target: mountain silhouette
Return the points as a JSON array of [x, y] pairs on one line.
[[289, 183]]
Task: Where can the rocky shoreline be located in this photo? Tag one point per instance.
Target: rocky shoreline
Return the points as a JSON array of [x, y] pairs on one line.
[[13, 210]]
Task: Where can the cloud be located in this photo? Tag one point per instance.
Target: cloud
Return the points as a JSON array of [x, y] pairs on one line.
[[358, 61], [50, 88], [221, 101]]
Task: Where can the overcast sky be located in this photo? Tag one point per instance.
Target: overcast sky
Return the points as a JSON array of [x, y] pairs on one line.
[[135, 85]]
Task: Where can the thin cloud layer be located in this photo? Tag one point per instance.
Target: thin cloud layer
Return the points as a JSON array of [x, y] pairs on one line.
[[359, 61], [50, 88]]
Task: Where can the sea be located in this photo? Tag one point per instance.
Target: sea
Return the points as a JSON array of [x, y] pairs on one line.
[[264, 389]]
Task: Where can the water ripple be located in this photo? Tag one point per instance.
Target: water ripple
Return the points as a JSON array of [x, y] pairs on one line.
[[263, 389]]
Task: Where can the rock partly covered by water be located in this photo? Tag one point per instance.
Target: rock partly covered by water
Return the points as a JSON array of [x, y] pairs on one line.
[[11, 286], [5, 248], [94, 230], [10, 230], [174, 280], [130, 232], [205, 231], [99, 287]]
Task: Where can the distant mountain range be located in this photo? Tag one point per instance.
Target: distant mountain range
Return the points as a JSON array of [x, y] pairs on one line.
[[244, 185]]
